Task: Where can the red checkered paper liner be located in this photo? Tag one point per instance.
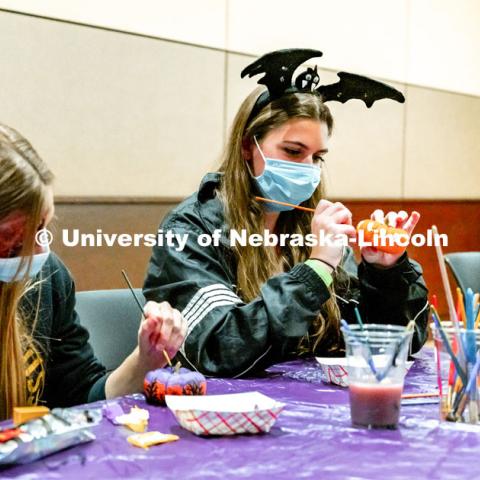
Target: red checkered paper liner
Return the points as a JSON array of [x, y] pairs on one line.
[[335, 374], [220, 423], [334, 370], [214, 421]]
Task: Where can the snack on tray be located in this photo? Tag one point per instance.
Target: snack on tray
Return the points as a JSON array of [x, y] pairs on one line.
[[148, 439], [136, 420]]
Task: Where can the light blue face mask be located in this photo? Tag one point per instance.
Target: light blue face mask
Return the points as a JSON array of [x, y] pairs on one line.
[[9, 267], [286, 181]]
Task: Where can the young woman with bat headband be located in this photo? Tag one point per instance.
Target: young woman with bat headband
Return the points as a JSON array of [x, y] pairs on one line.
[[248, 307]]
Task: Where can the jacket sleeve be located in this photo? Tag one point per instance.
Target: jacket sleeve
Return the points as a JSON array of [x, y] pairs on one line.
[[393, 295], [225, 336], [73, 374]]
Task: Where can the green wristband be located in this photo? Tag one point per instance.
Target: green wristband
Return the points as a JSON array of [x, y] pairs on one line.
[[321, 270]]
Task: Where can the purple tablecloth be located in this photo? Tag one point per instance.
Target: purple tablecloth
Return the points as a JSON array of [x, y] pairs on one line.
[[313, 437]]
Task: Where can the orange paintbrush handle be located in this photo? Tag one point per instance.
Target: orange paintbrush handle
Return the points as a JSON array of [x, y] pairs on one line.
[[374, 231], [420, 395], [298, 207]]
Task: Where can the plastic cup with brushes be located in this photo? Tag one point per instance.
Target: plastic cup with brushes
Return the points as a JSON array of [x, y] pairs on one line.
[[377, 365]]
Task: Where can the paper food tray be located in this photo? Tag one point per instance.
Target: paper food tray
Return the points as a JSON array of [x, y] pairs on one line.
[[229, 414], [334, 369]]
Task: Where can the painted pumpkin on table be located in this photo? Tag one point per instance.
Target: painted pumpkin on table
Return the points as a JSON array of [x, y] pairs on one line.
[[172, 381]]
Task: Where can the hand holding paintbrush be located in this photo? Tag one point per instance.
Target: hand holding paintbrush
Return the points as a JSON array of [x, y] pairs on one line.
[[160, 336], [161, 333], [334, 221]]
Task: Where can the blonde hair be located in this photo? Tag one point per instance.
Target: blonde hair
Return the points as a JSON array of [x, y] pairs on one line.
[[255, 265], [24, 179]]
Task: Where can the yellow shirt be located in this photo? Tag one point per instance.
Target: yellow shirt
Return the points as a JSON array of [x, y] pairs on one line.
[[35, 373]]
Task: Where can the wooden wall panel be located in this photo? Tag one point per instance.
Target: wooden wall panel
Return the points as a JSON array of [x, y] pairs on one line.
[[99, 267], [96, 268], [460, 220]]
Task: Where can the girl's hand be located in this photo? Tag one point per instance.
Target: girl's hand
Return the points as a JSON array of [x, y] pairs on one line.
[[164, 328], [392, 219], [333, 219]]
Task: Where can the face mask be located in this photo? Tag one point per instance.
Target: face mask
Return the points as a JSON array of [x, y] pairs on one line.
[[10, 266], [286, 181]]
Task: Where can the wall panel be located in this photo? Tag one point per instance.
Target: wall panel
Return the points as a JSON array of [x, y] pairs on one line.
[[112, 114], [99, 268], [442, 147]]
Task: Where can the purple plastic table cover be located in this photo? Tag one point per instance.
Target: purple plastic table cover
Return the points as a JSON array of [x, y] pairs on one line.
[[313, 437]]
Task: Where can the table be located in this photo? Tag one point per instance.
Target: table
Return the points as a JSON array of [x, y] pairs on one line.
[[313, 437]]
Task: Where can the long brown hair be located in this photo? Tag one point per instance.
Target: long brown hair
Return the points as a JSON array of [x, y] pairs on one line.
[[24, 179], [255, 265]]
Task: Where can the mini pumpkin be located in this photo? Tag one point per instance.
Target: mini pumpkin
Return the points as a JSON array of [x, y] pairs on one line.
[[172, 381], [372, 229]]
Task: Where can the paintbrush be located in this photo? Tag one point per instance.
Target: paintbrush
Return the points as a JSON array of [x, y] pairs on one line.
[[286, 204], [448, 294], [447, 345], [420, 395], [369, 358], [439, 370], [125, 276]]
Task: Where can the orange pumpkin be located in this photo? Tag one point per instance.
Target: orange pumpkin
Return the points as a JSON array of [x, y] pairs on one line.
[[172, 381], [373, 231]]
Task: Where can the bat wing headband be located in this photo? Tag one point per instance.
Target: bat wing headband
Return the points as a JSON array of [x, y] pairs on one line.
[[279, 67]]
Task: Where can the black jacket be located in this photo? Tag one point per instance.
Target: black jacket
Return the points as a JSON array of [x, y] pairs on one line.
[[228, 337], [72, 373]]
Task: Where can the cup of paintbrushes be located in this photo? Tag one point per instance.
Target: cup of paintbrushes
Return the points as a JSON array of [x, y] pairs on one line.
[[458, 374], [375, 389]]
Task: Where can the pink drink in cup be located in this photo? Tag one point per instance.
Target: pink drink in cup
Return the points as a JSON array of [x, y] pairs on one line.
[[375, 405], [376, 363]]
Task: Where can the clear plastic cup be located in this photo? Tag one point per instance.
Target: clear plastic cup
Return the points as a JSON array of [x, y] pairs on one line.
[[376, 364], [455, 405]]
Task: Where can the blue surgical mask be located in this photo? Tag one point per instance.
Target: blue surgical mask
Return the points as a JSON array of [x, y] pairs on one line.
[[9, 267], [286, 181]]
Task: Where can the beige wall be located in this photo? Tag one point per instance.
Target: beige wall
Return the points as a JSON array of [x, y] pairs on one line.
[[109, 111], [433, 43], [116, 114], [200, 22]]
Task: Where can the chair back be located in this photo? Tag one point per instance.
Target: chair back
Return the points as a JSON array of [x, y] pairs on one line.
[[465, 267], [112, 318]]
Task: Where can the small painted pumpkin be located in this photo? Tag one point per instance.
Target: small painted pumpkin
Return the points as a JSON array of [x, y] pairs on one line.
[[172, 381]]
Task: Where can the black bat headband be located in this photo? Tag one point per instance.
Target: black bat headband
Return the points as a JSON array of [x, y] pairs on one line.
[[279, 67]]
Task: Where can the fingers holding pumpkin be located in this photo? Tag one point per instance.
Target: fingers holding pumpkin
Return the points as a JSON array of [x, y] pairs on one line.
[[411, 222], [391, 219], [399, 219], [378, 216]]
